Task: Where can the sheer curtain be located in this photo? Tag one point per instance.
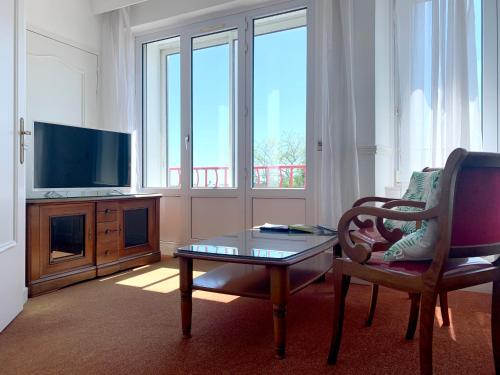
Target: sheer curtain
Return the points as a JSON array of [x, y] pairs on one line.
[[438, 87], [117, 81], [335, 109]]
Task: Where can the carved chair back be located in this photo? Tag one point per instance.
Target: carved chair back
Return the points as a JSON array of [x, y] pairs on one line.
[[469, 208]]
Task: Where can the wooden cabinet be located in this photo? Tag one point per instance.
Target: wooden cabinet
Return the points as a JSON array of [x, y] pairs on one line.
[[71, 240]]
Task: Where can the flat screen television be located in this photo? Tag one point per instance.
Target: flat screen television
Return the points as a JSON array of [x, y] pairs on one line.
[[73, 157]]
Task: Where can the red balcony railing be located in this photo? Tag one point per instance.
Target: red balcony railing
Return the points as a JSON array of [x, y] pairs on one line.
[[264, 176]]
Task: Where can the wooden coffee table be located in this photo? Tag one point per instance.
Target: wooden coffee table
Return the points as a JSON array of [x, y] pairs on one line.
[[258, 264]]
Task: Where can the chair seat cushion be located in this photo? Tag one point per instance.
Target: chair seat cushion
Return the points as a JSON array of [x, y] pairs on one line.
[[454, 266], [371, 237]]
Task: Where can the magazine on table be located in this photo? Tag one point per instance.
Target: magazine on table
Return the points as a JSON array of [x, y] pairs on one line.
[[298, 228]]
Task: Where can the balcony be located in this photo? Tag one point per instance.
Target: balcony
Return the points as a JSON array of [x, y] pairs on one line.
[[264, 176]]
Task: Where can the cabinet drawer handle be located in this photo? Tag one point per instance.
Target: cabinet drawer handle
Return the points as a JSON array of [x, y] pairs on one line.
[[107, 211], [106, 252], [107, 231]]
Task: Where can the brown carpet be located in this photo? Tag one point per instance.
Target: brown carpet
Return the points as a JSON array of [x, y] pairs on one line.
[[130, 324]]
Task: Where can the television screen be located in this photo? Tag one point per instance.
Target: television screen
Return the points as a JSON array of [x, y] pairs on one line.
[[73, 157]]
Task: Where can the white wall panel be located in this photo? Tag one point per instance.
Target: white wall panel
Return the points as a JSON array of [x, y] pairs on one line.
[[172, 219], [72, 21], [278, 211], [62, 83], [215, 216]]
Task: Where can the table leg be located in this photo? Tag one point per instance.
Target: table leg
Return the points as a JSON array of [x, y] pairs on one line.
[[186, 287], [280, 291]]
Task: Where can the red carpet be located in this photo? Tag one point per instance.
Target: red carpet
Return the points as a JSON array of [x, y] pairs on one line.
[[130, 324]]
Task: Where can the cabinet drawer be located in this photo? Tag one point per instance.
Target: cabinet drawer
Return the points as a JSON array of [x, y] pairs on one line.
[[107, 252], [107, 211], [107, 232]]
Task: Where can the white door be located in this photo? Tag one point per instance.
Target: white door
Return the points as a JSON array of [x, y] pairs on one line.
[[227, 134], [13, 292], [279, 129], [215, 147]]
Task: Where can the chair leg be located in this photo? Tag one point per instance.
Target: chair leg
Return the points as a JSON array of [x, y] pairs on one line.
[[413, 319], [341, 285], [427, 310], [373, 305], [495, 324], [443, 304]]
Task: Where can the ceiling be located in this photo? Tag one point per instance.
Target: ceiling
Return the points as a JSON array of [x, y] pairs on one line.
[[102, 6]]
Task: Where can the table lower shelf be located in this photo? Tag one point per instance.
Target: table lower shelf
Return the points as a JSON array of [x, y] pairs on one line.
[[253, 280]]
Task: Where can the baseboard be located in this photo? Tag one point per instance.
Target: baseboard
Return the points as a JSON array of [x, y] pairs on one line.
[[25, 295], [168, 248]]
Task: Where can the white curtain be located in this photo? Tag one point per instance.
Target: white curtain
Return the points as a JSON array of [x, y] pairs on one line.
[[437, 54], [334, 109], [117, 80]]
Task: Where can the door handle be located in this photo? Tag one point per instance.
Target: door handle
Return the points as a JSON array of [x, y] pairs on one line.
[[22, 143], [186, 141]]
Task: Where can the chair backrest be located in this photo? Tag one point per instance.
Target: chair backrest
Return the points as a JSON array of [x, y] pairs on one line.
[[474, 204]]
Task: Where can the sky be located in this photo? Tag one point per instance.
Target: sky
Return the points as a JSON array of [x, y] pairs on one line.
[[279, 96]]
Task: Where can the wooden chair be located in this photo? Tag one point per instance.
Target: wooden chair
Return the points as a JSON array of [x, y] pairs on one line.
[[379, 239], [468, 217]]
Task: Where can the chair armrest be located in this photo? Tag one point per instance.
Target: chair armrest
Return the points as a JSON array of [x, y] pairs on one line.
[[360, 252], [367, 223], [396, 234]]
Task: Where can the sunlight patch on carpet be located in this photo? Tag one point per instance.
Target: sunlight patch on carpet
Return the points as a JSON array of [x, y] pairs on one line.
[[214, 297], [439, 319], [167, 284], [148, 278]]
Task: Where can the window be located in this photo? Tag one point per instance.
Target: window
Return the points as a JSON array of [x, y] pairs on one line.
[[201, 117], [279, 101], [162, 114], [214, 83]]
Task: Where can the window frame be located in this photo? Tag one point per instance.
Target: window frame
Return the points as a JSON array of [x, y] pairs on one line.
[[183, 29]]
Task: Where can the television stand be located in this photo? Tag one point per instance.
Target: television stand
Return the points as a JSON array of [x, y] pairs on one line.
[[75, 239]]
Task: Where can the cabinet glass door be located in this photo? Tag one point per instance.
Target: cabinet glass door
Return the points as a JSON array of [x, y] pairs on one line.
[[136, 227], [67, 237], [138, 223]]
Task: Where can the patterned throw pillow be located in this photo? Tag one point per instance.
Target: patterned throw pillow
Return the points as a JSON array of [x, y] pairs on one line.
[[419, 245], [418, 190]]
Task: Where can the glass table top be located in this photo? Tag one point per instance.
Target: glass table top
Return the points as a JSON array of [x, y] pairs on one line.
[[254, 243]]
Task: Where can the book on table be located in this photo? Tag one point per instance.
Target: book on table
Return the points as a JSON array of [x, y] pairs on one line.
[[302, 228]]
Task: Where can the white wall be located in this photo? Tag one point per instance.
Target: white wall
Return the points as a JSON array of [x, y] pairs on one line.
[[63, 48], [67, 20], [159, 13]]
